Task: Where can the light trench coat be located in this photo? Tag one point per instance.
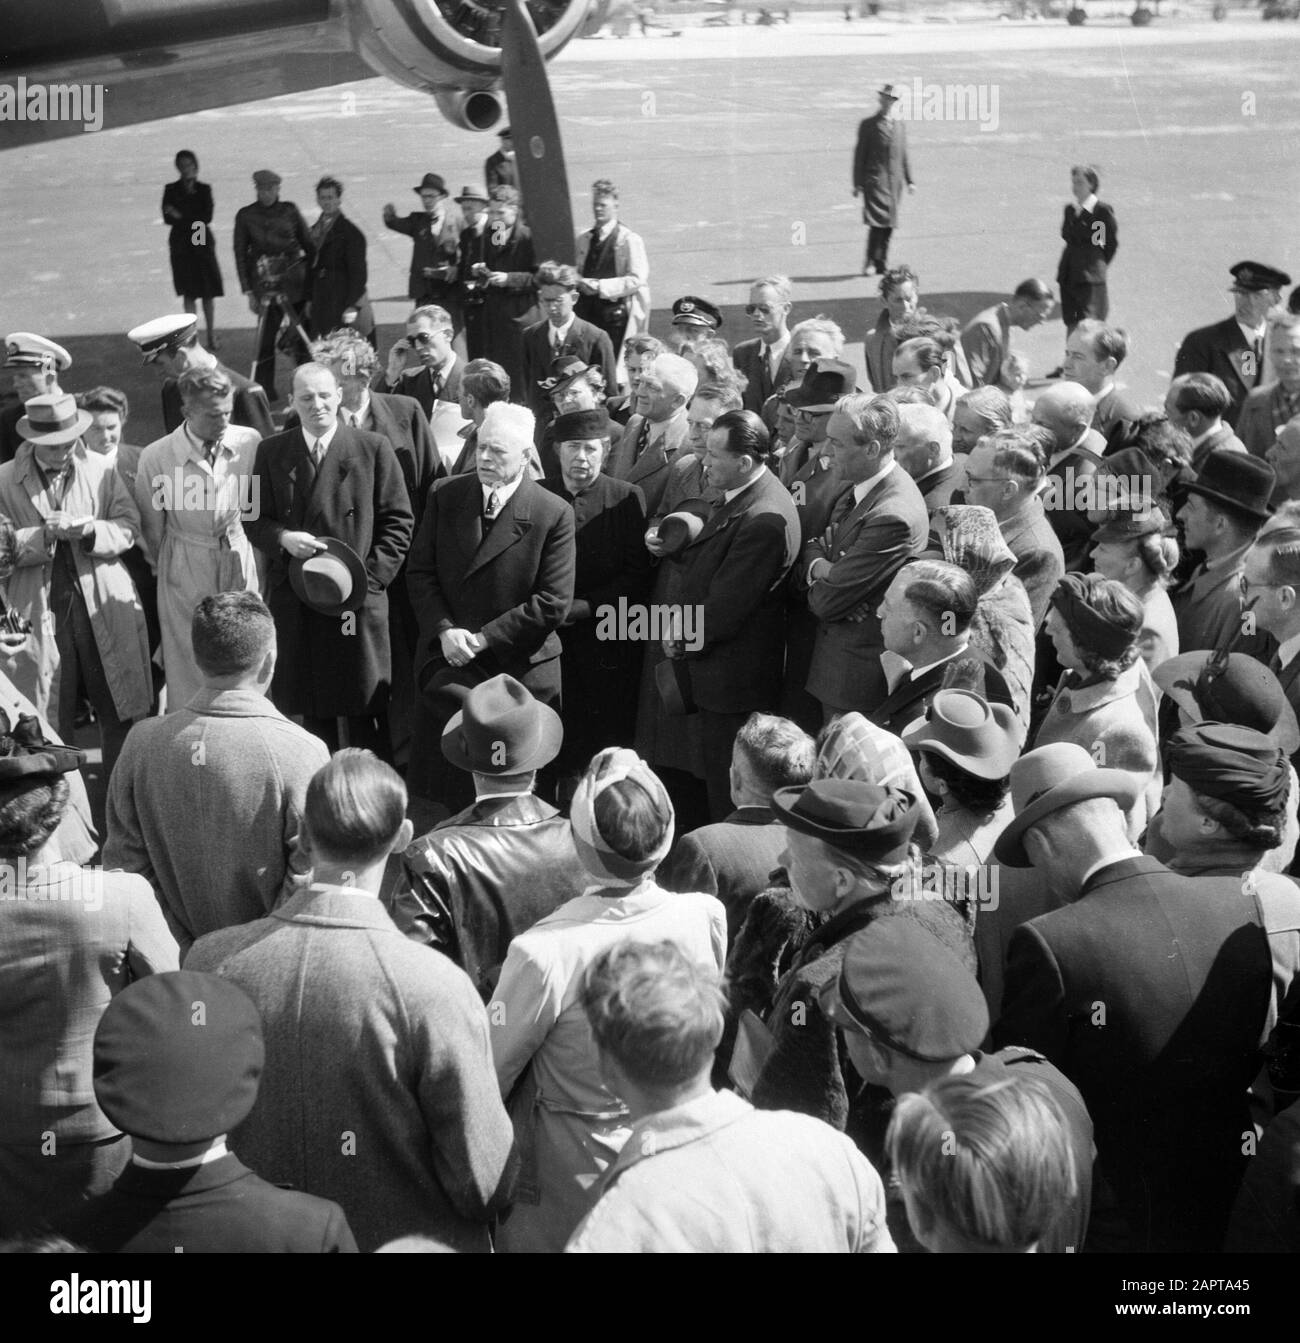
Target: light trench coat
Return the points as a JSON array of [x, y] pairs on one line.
[[192, 516], [568, 1125], [116, 616]]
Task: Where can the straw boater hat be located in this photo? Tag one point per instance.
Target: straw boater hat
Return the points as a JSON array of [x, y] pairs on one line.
[[52, 420]]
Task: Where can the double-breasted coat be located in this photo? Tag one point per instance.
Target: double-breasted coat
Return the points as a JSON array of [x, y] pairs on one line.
[[116, 616], [332, 666]]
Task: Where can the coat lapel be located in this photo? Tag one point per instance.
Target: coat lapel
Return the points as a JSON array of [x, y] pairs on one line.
[[30, 479], [332, 473], [514, 523]]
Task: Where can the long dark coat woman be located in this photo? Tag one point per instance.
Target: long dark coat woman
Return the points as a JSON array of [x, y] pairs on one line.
[[195, 270]]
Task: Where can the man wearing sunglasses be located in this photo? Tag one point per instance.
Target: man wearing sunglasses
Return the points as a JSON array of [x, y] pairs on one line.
[[423, 364], [763, 359]]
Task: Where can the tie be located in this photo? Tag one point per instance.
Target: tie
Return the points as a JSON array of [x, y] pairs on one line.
[[211, 446], [642, 440], [318, 452], [493, 505], [1259, 361], [556, 342]]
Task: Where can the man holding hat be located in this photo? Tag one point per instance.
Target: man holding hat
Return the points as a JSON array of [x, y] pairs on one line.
[[880, 172], [35, 364], [847, 845], [75, 519], [659, 429], [613, 272], [73, 937], [335, 525], [1149, 990], [435, 252], [910, 1013], [612, 572], [178, 1061], [379, 1091], [479, 879], [171, 345], [1224, 509], [1233, 349], [693, 318], [272, 248], [1272, 406]]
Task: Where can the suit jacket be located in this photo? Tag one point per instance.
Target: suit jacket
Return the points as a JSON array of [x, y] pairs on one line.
[[878, 347], [1220, 439], [1222, 349], [651, 470], [749, 358], [251, 406], [74, 938], [1040, 561], [337, 280], [217, 1208], [421, 387], [1116, 417], [375, 1048], [1263, 413], [583, 340], [1061, 494], [881, 169], [1208, 606], [513, 585], [328, 666], [432, 248], [733, 574], [1091, 241], [480, 878], [986, 340], [910, 698], [732, 859], [938, 487], [1149, 992], [172, 823], [870, 543]]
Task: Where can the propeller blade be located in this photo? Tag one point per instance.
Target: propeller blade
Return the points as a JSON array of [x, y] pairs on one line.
[[538, 150]]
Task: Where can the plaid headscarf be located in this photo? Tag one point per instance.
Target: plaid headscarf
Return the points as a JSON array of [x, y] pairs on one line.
[[972, 540]]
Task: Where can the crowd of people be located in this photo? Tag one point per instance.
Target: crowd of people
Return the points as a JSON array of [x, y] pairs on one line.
[[572, 789]]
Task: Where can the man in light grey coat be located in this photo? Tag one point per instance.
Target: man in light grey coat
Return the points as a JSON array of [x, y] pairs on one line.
[[379, 1091], [205, 802]]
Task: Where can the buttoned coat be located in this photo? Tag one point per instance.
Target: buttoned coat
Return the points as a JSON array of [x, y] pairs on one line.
[[513, 585], [870, 543], [337, 280], [378, 1092], [1149, 992], [631, 279], [192, 531], [651, 470], [1221, 349], [509, 308], [583, 340], [330, 666], [220, 1207], [171, 820], [1208, 606], [116, 615], [733, 573], [881, 169], [432, 248]]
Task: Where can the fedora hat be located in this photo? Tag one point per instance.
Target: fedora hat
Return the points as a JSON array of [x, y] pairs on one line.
[[851, 814], [1236, 688], [1050, 778], [1237, 480], [332, 580], [502, 729], [472, 194], [979, 737], [825, 381], [431, 182], [683, 526], [51, 420]]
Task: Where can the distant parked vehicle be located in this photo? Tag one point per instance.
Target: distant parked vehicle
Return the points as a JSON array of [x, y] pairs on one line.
[[1277, 10]]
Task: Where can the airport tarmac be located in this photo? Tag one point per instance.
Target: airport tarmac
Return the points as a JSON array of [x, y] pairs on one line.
[[732, 149]]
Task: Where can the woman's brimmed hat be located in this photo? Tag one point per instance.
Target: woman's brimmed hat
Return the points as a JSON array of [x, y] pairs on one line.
[[963, 727]]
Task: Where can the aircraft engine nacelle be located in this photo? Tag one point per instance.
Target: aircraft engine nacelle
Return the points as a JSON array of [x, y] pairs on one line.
[[452, 48]]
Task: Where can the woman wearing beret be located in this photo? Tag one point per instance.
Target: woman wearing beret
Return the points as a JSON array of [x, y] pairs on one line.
[[187, 207], [1105, 701], [568, 1124], [1139, 551]]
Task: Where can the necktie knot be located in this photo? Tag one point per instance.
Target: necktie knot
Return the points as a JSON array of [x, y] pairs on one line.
[[642, 439], [493, 504], [211, 446]]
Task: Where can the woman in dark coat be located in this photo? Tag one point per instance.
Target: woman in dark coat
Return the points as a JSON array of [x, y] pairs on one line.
[[187, 207], [1091, 239]]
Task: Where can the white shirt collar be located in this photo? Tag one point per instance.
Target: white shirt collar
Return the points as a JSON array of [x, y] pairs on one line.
[[776, 352], [938, 662], [1253, 334], [729, 495], [657, 431], [196, 444], [504, 492], [214, 1153], [864, 487], [1089, 203], [361, 412], [559, 334], [316, 445], [1287, 650]]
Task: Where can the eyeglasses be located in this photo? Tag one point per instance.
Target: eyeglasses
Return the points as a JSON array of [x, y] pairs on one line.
[[1244, 585], [423, 337]]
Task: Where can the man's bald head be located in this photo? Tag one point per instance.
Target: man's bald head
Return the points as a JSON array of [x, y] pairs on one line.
[[1065, 410], [924, 441]]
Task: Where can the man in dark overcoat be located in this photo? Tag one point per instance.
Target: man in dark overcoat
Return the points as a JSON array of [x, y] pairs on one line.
[[881, 173]]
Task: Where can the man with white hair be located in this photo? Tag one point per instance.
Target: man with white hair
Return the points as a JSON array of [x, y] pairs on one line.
[[335, 523], [491, 576], [1065, 410], [658, 430], [923, 449]]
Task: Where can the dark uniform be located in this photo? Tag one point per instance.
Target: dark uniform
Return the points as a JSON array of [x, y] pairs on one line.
[[279, 234]]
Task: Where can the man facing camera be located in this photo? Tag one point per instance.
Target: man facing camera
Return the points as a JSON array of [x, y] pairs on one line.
[[491, 579]]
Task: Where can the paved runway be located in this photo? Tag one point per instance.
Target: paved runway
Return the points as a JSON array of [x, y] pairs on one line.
[[732, 149]]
